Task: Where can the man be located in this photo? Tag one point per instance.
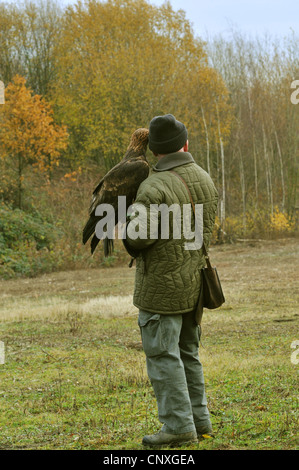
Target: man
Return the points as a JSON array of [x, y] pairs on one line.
[[167, 285]]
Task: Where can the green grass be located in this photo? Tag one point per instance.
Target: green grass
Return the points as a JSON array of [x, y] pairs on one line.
[[75, 379]]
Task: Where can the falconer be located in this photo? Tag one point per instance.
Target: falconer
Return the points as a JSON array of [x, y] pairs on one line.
[[167, 284]]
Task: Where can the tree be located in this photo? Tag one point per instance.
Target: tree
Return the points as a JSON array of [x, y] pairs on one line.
[[28, 34], [28, 133], [262, 151], [119, 64]]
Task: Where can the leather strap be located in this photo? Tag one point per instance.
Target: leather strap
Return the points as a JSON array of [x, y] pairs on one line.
[[204, 250]]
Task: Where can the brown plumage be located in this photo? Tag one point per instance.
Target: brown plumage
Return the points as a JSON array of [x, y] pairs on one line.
[[122, 180]]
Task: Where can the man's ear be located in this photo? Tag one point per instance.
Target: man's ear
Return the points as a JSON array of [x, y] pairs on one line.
[[186, 146]]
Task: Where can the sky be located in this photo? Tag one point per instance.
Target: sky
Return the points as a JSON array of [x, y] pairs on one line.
[[254, 17]]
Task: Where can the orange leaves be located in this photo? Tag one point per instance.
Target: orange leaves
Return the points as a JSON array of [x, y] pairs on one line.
[[28, 133], [28, 129], [73, 175]]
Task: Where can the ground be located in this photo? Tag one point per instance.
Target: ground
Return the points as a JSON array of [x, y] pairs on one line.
[[74, 375]]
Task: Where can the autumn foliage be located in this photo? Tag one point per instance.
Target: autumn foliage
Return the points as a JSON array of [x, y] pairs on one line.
[[139, 61], [80, 80], [28, 133]]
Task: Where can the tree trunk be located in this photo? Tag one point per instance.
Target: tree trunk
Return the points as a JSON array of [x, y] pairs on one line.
[[254, 146], [222, 201], [207, 141], [281, 171], [20, 180], [243, 191], [268, 172], [255, 173]]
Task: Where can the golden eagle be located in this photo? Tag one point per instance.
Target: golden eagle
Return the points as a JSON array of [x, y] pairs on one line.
[[122, 180]]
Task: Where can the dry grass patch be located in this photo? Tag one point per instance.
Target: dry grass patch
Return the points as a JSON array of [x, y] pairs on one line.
[[53, 308]]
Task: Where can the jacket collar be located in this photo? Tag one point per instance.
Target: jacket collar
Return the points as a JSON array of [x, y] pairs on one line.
[[172, 160]]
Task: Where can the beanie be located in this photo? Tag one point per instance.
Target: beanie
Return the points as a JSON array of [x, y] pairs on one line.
[[166, 134]]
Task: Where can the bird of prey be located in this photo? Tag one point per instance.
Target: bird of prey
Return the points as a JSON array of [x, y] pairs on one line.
[[122, 180]]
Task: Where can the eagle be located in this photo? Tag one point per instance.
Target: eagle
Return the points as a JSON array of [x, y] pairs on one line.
[[123, 179]]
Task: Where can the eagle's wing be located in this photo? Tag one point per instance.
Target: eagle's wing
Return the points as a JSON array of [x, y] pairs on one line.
[[95, 193], [122, 180]]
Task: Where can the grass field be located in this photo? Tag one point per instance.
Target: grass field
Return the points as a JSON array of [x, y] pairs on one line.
[[74, 375]]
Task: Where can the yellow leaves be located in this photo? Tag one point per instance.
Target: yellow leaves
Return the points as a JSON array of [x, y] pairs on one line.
[[255, 223], [120, 64], [280, 222]]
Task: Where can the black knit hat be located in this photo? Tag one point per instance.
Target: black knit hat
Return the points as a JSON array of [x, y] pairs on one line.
[[166, 134]]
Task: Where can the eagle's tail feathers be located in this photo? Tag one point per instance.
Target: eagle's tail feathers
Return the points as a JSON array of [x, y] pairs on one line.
[[94, 243], [108, 247], [88, 230]]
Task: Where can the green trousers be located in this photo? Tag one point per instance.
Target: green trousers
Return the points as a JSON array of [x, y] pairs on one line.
[[171, 344]]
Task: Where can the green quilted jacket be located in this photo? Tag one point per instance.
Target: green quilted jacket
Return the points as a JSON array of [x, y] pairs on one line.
[[167, 279]]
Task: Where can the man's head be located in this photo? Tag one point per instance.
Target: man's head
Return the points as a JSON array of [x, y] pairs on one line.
[[167, 135]]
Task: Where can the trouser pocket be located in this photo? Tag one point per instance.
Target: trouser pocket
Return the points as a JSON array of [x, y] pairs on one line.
[[154, 338], [199, 332]]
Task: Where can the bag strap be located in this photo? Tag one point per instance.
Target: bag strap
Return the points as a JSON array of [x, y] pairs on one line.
[[204, 250]]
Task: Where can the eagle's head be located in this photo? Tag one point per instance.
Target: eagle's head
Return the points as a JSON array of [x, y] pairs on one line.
[[139, 140]]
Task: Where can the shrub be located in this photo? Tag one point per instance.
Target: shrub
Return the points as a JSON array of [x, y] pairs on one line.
[[26, 243], [256, 223], [281, 222]]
